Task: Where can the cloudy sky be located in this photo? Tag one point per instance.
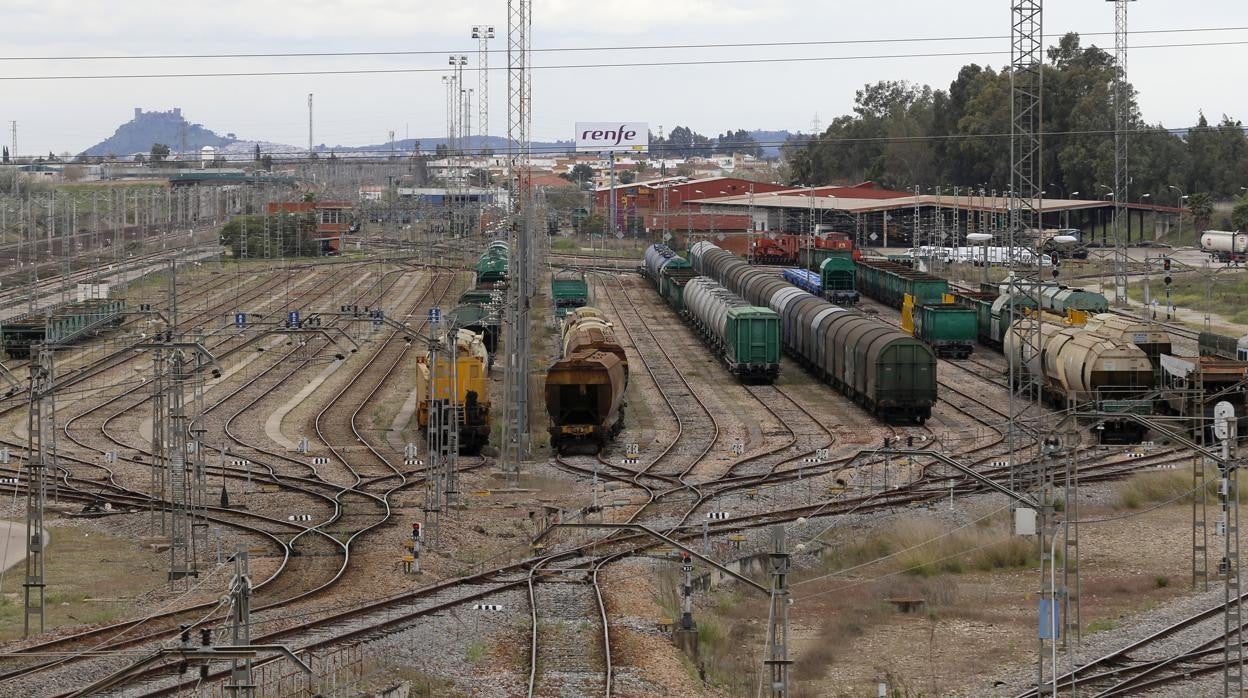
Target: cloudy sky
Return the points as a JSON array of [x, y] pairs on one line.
[[570, 85]]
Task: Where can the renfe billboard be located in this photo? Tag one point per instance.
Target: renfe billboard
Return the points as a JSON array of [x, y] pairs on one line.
[[612, 137]]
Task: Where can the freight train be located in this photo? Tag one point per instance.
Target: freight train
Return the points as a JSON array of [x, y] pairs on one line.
[[1075, 366], [585, 387], [888, 373], [568, 291], [61, 325], [478, 310], [465, 381], [745, 338], [928, 310], [1213, 344], [492, 266], [834, 281]]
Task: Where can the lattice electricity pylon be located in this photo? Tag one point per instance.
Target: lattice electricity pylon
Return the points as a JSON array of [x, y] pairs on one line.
[[40, 453], [181, 532], [777, 661], [483, 33], [157, 486], [516, 370], [1026, 109], [437, 439], [1122, 124]]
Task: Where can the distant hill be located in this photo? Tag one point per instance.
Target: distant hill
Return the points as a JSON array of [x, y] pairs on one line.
[[497, 144], [771, 141], [170, 128], [147, 128]]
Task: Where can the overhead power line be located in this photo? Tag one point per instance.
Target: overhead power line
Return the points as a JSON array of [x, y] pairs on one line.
[[568, 49], [577, 66]]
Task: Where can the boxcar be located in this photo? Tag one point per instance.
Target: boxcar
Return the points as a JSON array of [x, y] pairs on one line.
[[745, 337], [951, 328], [840, 280], [888, 373]]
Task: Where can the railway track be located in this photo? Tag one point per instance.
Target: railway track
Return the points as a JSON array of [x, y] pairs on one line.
[[271, 593]]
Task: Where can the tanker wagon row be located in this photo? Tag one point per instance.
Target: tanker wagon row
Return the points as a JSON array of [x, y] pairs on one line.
[[889, 374], [1075, 366], [585, 387]]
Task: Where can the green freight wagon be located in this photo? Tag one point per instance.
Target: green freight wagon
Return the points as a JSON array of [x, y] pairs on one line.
[[491, 270], [568, 294], [60, 326], [889, 283], [812, 258], [672, 285], [753, 341], [840, 280], [950, 328], [981, 302]]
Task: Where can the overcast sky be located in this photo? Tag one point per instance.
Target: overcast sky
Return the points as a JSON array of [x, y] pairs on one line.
[[70, 115]]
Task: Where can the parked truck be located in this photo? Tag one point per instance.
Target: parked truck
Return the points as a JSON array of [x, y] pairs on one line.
[[1225, 246]]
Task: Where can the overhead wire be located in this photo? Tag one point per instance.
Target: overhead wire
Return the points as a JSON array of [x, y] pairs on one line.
[[567, 49], [573, 66]]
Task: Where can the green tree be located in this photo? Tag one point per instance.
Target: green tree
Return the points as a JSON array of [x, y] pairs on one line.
[[282, 235], [1200, 204], [266, 162], [257, 158], [159, 152], [627, 177], [582, 174], [595, 224], [1239, 215]]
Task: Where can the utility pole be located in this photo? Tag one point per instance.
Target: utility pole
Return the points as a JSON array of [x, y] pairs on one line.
[[13, 137], [1122, 177], [516, 370], [240, 684], [40, 452], [310, 151], [778, 661]]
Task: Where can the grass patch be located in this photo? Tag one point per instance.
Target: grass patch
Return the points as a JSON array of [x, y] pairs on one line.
[[86, 572], [1100, 625], [1192, 290], [1157, 486], [926, 548]]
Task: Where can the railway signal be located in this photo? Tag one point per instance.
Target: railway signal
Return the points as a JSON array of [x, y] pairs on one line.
[[320, 460], [240, 320], [304, 445], [299, 517], [487, 607], [5, 457], [686, 593], [738, 447]]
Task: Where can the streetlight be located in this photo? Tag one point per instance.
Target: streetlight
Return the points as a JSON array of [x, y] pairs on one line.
[[984, 238], [1182, 198]]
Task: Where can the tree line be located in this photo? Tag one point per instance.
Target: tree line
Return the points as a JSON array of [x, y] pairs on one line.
[[901, 135]]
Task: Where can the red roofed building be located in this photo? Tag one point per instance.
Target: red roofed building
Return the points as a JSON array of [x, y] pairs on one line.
[[333, 219]]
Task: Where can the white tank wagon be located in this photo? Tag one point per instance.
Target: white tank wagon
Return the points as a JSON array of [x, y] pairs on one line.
[[1087, 370]]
